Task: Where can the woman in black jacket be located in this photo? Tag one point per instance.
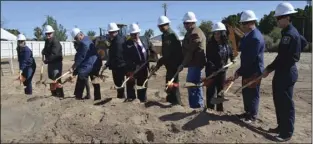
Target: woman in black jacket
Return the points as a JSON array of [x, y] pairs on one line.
[[218, 52]]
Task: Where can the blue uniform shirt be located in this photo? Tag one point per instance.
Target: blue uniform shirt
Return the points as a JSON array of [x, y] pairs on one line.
[[289, 49], [25, 57], [252, 54]]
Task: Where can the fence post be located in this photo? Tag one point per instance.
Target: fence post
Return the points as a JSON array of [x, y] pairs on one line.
[[11, 60]]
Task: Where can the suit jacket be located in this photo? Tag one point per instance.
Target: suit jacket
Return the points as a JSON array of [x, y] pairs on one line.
[[252, 54], [131, 55]]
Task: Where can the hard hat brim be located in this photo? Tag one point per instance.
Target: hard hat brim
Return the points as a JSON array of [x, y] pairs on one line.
[[218, 30], [137, 31], [164, 23], [287, 13], [248, 20], [49, 31], [114, 30], [190, 20]]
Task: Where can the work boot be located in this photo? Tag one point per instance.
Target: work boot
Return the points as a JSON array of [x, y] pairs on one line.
[[120, 93], [274, 130], [97, 93]]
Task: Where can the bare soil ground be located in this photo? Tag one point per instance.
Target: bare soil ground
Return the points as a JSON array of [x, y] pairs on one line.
[[43, 118]]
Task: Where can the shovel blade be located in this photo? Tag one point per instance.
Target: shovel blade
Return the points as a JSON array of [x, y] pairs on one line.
[[97, 80], [218, 100]]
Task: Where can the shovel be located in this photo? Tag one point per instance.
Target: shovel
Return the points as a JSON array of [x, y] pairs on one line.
[[170, 83], [249, 83], [55, 81], [145, 82], [222, 94], [136, 71], [20, 87], [41, 75], [101, 77], [191, 85]]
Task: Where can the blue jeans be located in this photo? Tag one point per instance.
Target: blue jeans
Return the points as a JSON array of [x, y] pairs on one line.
[[195, 95]]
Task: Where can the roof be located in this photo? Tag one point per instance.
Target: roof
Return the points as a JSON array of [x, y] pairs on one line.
[[7, 35]]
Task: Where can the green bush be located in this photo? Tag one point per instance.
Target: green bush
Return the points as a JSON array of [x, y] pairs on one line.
[[268, 42], [275, 34]]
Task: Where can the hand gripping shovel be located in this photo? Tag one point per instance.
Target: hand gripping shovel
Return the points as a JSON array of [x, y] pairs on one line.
[[41, 75], [190, 85], [136, 71], [21, 78]]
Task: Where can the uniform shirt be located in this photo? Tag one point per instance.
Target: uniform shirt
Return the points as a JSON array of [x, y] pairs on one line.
[[25, 57], [289, 49]]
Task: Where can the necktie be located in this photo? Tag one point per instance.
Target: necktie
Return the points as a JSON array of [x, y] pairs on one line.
[[139, 48]]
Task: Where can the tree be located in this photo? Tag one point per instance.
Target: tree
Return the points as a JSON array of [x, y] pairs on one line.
[[149, 33], [206, 27], [38, 34], [59, 30], [13, 31], [275, 34], [181, 29], [91, 34], [232, 20], [267, 23]]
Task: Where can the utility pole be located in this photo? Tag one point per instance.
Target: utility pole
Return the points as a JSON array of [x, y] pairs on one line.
[[164, 6]]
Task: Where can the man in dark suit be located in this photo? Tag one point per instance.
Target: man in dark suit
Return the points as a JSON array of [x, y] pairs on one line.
[[116, 61], [136, 53], [251, 64], [53, 56]]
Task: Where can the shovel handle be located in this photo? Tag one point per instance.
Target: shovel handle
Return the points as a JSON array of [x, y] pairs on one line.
[[249, 83], [68, 72], [218, 71], [230, 85]]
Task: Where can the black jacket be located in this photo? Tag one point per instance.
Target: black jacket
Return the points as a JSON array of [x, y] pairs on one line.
[[116, 57], [52, 51], [131, 56], [172, 53], [217, 56]]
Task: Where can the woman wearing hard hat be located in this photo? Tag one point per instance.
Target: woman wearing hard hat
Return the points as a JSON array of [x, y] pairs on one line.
[[286, 73], [53, 56], [218, 52], [27, 64], [251, 64], [136, 54], [85, 60], [194, 44]]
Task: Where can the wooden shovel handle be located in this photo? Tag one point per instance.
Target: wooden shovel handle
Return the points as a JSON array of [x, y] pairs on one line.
[[68, 72]]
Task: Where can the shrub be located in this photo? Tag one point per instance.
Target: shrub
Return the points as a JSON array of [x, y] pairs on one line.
[[268, 43]]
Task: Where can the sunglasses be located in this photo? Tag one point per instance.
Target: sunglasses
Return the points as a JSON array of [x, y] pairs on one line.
[[280, 17], [244, 23], [48, 33], [187, 23]]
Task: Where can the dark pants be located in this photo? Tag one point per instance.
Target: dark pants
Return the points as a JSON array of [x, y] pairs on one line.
[[212, 90], [251, 98], [96, 87], [283, 84], [55, 71], [118, 78], [28, 73], [81, 83], [141, 76], [173, 94]]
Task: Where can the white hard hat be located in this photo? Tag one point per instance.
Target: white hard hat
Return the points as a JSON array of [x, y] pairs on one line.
[[163, 20], [219, 26], [284, 8], [75, 31], [21, 37], [247, 15], [48, 29], [190, 17], [112, 27], [134, 28]]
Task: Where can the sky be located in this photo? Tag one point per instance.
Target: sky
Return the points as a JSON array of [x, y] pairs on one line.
[[90, 15]]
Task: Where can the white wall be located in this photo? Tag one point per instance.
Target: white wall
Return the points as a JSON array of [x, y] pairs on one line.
[[9, 47]]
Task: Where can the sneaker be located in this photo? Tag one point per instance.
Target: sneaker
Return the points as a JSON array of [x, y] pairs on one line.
[[249, 120], [282, 139], [273, 130], [241, 116]]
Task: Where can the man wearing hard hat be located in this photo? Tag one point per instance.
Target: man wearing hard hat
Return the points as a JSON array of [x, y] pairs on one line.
[[136, 54], [171, 58], [27, 64], [53, 56], [252, 64], [218, 52], [116, 61], [194, 44], [85, 60], [286, 73]]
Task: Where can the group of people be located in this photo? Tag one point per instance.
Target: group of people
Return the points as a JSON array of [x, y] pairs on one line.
[[130, 58]]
